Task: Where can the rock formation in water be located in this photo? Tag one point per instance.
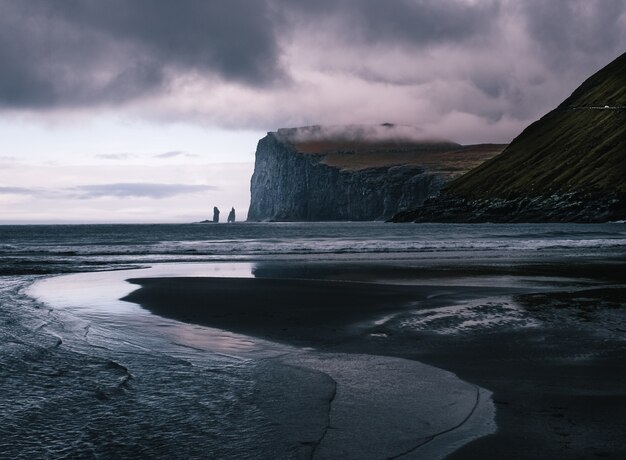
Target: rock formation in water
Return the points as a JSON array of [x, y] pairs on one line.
[[569, 166], [231, 216], [216, 214], [352, 173]]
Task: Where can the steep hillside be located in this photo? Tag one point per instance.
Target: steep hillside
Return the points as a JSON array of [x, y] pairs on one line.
[[363, 173], [568, 166]]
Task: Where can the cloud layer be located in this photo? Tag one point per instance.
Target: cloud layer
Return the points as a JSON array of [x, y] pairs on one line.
[[462, 69], [134, 190], [119, 190], [84, 52]]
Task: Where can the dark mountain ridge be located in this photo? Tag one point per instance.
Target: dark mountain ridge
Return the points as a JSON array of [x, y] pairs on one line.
[[568, 166]]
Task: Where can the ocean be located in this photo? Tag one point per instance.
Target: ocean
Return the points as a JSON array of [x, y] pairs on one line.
[[84, 375], [50, 249]]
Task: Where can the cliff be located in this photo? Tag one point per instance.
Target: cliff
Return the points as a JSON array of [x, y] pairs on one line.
[[569, 166], [310, 174]]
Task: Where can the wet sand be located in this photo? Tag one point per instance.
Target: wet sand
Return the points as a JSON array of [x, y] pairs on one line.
[[331, 404], [547, 338], [293, 311]]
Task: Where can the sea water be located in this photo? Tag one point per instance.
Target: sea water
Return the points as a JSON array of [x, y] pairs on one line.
[[65, 361], [68, 248]]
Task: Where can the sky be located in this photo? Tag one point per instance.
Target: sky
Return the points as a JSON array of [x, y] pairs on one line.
[[150, 110]]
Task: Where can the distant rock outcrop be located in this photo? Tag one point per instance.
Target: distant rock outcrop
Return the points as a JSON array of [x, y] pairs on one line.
[[231, 216], [216, 214], [569, 166], [352, 173]]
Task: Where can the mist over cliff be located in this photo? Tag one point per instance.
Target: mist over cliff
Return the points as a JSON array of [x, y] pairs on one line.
[[366, 134]]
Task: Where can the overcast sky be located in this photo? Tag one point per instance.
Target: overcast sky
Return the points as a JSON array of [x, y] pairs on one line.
[[149, 110]]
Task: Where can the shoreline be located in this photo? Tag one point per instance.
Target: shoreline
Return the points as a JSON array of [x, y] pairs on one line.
[[557, 390], [377, 406], [532, 316]]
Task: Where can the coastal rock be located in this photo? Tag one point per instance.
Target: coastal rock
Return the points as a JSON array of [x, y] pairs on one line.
[[572, 207], [216, 214], [331, 179]]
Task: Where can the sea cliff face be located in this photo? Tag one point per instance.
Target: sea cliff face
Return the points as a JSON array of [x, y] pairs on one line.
[[288, 185]]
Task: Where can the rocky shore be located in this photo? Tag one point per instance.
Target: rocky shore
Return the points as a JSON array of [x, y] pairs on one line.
[[572, 207]]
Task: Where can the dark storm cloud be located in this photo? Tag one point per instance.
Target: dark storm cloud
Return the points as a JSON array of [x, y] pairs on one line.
[[81, 52], [566, 31], [135, 190], [578, 36], [266, 63], [416, 22], [86, 52]]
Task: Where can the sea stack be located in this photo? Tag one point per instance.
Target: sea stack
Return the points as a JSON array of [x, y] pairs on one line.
[[231, 216], [216, 214]]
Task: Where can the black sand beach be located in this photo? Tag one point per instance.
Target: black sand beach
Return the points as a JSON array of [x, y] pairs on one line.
[[295, 311], [546, 336]]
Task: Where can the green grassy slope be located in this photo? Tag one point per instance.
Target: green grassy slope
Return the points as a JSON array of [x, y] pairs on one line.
[[570, 149], [605, 87]]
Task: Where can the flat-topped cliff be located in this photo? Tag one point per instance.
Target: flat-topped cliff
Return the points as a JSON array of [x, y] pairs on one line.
[[353, 173]]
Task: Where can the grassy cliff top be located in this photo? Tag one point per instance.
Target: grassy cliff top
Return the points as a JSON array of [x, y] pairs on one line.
[[455, 161], [358, 147], [578, 147]]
